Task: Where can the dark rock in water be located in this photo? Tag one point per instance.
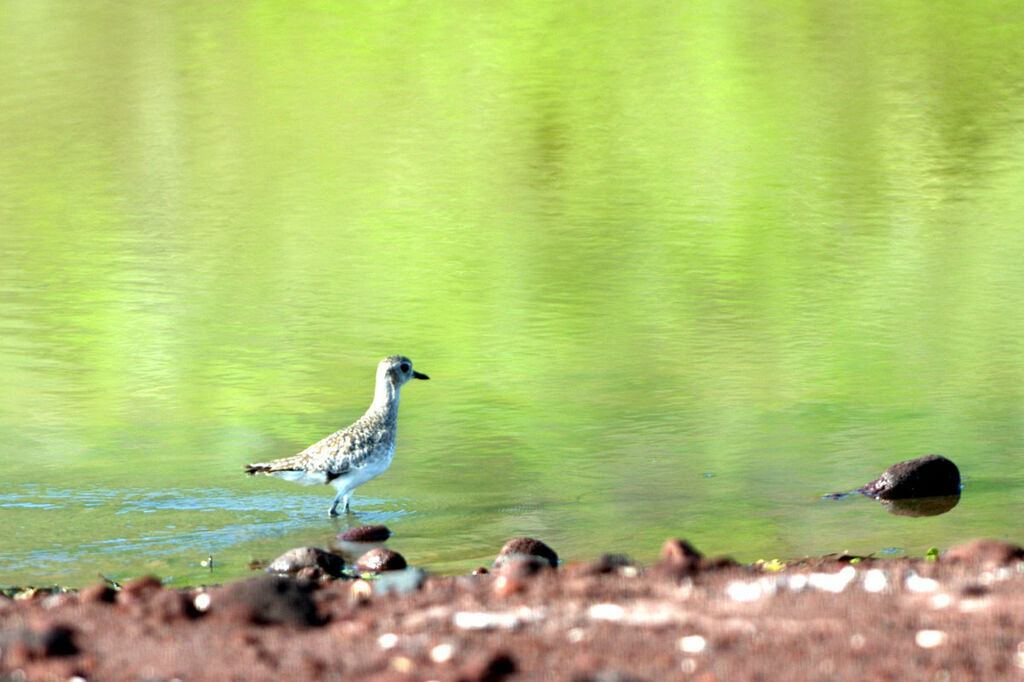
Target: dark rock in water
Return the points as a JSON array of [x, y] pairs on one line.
[[527, 547], [921, 506], [266, 600], [380, 559], [23, 644], [294, 560], [987, 553], [366, 534], [922, 477], [400, 582]]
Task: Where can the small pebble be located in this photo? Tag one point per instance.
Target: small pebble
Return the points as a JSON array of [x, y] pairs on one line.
[[360, 590], [832, 582], [875, 580], [692, 644], [916, 583], [743, 592], [606, 612], [929, 639], [202, 602], [442, 653]]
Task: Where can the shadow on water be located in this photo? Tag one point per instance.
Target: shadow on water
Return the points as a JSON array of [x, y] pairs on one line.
[[921, 506], [914, 506]]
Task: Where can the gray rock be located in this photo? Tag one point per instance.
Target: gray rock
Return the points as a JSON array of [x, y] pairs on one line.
[[922, 477], [294, 560]]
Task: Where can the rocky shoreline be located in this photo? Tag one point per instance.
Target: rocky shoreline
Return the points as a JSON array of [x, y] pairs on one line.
[[957, 616]]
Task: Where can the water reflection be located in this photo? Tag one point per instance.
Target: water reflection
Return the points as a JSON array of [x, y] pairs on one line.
[[921, 506]]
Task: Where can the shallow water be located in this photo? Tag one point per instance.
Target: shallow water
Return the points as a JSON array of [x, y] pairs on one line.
[[672, 273]]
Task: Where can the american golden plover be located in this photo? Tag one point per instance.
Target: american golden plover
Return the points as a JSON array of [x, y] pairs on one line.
[[348, 458]]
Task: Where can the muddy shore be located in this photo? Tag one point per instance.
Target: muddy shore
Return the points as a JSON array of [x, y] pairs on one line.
[[957, 617]]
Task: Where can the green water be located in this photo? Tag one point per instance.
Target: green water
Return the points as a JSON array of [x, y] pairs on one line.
[[673, 270]]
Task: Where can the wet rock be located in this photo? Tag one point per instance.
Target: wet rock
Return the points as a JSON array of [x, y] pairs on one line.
[[24, 644], [491, 667], [400, 581], [984, 552], [100, 593], [266, 601], [526, 547], [380, 559], [294, 560], [922, 477], [365, 534]]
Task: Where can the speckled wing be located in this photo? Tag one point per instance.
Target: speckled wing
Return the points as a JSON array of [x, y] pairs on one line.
[[316, 465], [326, 459]]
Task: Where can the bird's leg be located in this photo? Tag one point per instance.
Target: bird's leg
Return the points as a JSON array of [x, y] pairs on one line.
[[346, 504], [333, 511]]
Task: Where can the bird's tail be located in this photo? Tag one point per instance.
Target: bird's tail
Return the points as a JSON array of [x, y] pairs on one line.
[[260, 468]]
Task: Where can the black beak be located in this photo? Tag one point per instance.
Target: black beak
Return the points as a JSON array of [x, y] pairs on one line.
[[419, 375]]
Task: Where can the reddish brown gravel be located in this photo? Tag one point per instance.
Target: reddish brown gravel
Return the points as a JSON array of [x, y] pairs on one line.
[[688, 617]]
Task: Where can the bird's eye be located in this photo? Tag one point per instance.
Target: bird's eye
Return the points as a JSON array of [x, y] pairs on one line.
[[405, 367]]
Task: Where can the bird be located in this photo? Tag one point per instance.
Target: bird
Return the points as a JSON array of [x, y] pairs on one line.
[[348, 458]]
